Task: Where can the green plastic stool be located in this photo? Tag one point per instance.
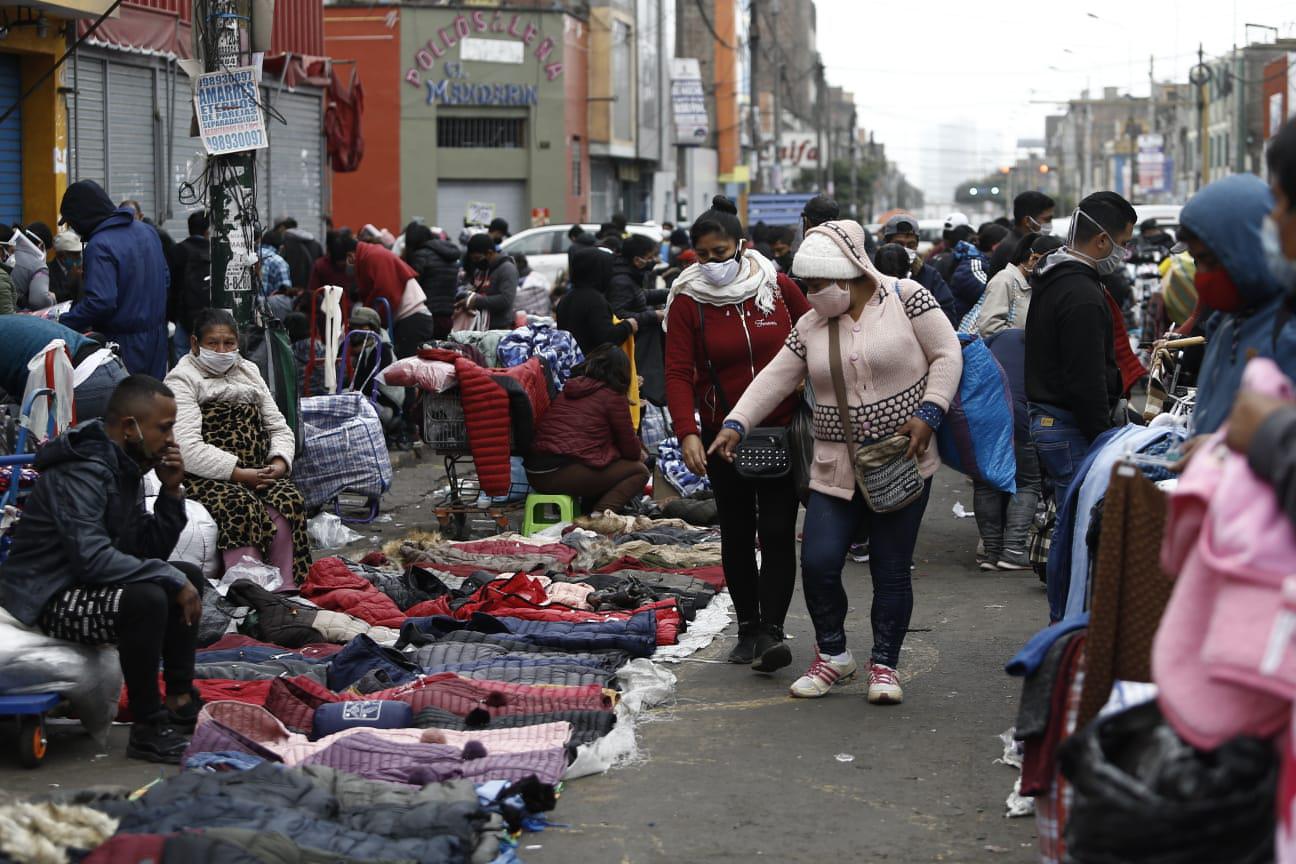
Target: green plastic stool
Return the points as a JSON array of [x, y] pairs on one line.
[[566, 511]]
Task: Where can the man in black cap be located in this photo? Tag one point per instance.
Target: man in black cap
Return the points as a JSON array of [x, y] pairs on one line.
[[903, 229]]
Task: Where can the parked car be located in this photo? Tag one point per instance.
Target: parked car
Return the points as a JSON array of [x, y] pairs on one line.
[[546, 247]]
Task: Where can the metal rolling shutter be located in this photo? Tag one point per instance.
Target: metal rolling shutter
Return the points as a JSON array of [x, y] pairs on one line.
[[294, 179], [11, 197], [508, 196], [187, 156], [132, 155], [88, 144]]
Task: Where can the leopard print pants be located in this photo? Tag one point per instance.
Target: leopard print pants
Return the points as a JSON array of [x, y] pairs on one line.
[[240, 513]]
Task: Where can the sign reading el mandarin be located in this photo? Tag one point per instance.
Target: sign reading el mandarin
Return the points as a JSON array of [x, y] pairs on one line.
[[527, 33]]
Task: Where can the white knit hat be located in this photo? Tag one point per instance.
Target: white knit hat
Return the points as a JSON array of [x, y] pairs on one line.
[[821, 258]]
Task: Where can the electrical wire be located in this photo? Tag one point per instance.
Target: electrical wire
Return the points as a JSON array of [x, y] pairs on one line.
[[706, 19]]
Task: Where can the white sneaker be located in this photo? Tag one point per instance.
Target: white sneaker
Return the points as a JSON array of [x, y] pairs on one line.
[[822, 676], [884, 686]]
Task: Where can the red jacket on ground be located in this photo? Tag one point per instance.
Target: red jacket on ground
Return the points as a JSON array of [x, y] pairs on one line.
[[588, 422], [688, 381], [379, 273]]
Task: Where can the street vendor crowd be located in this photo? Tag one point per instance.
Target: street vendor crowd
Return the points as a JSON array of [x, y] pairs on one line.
[[1138, 454]]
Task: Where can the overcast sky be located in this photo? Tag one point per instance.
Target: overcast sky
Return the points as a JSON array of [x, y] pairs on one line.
[[914, 66]]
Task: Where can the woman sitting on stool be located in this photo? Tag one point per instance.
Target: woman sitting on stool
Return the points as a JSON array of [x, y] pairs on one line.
[[586, 446], [238, 450]]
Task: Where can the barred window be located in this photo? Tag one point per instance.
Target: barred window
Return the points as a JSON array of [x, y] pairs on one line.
[[476, 132]]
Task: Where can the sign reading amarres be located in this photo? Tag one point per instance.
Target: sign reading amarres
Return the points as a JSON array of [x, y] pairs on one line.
[[485, 22]]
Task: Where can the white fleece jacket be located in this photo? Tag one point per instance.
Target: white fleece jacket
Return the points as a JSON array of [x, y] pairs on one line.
[[194, 387]]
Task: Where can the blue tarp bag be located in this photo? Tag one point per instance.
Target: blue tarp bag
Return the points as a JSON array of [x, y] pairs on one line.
[[976, 437]]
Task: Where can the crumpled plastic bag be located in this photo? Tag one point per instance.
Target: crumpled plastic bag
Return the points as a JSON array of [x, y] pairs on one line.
[[1141, 794], [88, 676], [326, 531], [265, 575], [197, 543], [644, 684]]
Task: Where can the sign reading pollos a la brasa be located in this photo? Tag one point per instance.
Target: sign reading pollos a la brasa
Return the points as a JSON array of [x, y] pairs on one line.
[[511, 25]]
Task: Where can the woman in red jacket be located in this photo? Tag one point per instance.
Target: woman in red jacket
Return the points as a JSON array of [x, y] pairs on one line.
[[747, 310], [586, 445]]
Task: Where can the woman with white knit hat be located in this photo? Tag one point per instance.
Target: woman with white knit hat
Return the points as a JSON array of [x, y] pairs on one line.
[[900, 364]]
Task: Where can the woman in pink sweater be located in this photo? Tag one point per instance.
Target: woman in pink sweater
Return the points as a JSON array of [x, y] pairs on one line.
[[901, 362]]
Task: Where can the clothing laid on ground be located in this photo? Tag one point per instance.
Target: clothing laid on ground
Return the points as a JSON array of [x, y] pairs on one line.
[[1070, 348]]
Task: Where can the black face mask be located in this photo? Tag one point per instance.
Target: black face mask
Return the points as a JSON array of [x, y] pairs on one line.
[[138, 452]]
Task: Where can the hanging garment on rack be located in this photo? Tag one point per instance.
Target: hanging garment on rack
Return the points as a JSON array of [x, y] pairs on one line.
[[1224, 657], [1130, 589], [51, 369]]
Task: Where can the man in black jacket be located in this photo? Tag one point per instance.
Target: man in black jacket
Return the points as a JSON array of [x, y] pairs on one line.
[[1072, 379], [190, 280], [495, 282], [630, 296], [436, 262], [88, 562], [1032, 214], [585, 312]]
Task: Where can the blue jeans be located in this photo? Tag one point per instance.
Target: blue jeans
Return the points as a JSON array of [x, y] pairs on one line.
[[831, 525], [1060, 444]]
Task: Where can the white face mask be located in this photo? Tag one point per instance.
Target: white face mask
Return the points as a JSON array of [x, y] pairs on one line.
[[913, 255], [830, 301], [1045, 228], [721, 273], [1109, 263], [217, 362]]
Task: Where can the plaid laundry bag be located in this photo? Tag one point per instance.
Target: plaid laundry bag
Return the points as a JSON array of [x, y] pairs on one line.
[[344, 450]]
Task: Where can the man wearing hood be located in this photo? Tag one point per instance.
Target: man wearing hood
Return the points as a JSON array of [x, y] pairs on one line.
[[89, 564], [436, 262], [585, 312], [125, 278], [1073, 380], [1221, 225], [632, 293]]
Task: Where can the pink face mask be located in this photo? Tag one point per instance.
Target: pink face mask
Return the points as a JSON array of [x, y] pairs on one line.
[[830, 301]]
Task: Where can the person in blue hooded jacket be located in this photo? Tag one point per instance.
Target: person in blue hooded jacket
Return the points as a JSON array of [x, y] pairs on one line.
[[1221, 226], [125, 278]]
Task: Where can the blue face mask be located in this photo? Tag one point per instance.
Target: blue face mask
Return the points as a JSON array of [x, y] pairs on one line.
[[1282, 267]]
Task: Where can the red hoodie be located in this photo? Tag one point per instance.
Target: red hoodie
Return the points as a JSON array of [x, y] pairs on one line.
[[688, 382], [379, 273], [588, 422]]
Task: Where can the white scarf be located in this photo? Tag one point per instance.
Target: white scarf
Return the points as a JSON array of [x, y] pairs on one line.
[[756, 278]]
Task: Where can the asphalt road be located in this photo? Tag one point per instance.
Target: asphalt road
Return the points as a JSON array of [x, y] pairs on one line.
[[734, 769]]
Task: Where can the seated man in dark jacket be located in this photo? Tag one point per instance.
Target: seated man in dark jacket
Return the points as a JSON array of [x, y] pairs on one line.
[[88, 562]]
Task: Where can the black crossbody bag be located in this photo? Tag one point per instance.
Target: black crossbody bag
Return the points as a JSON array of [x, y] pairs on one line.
[[763, 454]]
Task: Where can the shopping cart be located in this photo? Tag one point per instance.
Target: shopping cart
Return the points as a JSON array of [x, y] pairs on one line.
[[1165, 393], [446, 432]]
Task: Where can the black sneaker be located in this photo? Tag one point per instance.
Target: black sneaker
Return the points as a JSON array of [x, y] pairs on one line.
[[771, 653], [745, 651], [186, 716], [157, 741]]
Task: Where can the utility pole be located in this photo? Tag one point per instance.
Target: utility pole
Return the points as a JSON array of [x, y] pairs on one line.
[[854, 165], [226, 44], [776, 162], [821, 116], [1200, 77], [753, 45]]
